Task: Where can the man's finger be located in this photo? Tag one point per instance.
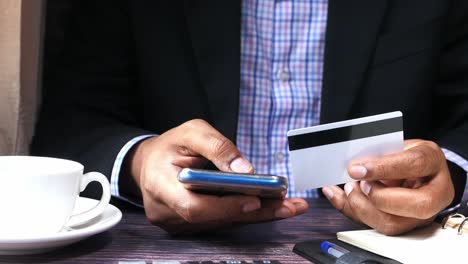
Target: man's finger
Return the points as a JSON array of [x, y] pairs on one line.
[[422, 203], [421, 160], [265, 214], [200, 137], [360, 207], [199, 208], [339, 200], [274, 210]]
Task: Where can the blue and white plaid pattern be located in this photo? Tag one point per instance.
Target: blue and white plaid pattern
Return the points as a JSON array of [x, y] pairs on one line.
[[118, 165], [282, 53]]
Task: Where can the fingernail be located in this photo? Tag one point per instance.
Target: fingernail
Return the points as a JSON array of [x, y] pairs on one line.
[[300, 206], [328, 193], [348, 188], [365, 187], [282, 212], [250, 207], [240, 165], [358, 171]]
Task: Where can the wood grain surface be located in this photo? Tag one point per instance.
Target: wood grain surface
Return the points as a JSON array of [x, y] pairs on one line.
[[135, 239]]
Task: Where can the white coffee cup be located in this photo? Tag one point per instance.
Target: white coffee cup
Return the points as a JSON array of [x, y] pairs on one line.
[[37, 195]]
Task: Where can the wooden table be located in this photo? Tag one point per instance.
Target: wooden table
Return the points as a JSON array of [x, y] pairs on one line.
[[135, 239]]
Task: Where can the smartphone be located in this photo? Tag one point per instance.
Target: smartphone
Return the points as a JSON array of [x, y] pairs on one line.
[[220, 183]]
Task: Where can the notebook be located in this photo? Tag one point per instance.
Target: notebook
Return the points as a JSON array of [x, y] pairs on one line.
[[431, 244]]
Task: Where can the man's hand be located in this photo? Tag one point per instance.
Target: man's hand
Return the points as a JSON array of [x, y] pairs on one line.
[[398, 192], [156, 162]]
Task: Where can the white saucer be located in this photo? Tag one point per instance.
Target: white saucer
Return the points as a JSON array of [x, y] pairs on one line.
[[22, 246]]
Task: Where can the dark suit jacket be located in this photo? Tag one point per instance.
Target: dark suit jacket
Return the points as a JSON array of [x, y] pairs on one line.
[[137, 67]]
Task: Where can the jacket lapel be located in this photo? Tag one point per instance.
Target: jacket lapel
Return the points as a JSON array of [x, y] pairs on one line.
[[214, 29], [352, 31]]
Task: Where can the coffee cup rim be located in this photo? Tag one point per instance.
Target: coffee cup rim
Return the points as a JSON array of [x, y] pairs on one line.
[[73, 166]]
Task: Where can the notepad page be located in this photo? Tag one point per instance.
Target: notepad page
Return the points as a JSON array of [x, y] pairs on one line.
[[431, 244]]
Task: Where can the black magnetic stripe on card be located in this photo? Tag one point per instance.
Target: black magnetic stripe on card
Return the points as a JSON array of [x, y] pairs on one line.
[[342, 134]]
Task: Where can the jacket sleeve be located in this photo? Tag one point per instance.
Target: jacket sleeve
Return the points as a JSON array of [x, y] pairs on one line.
[[90, 102], [451, 91], [452, 86]]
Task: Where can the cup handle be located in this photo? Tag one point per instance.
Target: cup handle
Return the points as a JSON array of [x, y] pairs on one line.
[[86, 216]]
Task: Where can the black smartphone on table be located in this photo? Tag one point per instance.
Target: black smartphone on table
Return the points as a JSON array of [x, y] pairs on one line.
[[220, 183]]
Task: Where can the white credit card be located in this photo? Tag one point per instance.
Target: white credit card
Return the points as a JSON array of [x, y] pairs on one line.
[[321, 154]]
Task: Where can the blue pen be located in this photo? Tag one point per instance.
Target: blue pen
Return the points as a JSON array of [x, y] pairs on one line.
[[337, 252], [332, 250]]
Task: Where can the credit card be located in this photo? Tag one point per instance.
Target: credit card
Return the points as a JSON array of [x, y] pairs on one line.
[[321, 154]]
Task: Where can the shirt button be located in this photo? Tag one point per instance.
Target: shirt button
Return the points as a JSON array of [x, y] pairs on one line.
[[279, 156], [283, 75]]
